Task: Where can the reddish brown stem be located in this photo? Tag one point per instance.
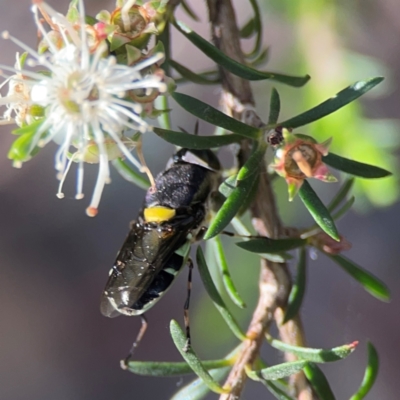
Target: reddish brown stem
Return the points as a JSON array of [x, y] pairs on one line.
[[275, 280]]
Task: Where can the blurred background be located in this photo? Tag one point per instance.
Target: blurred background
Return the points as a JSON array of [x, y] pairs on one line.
[[54, 260]]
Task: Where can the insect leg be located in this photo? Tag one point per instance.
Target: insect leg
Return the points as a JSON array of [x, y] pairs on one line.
[[186, 306], [236, 235], [203, 230], [124, 362]]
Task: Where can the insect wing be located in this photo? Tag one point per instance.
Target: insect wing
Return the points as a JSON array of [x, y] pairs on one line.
[[137, 263], [141, 258]]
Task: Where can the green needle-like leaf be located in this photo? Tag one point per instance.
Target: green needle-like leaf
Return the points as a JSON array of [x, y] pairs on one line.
[[368, 281], [336, 215], [315, 355], [318, 210], [197, 389], [298, 289], [274, 257], [266, 245], [276, 391], [370, 374], [354, 167], [192, 76], [257, 28], [189, 141], [159, 368], [191, 358], [270, 385], [253, 190], [130, 174], [229, 185], [248, 29], [233, 66], [240, 227], [333, 104], [274, 107], [341, 194], [319, 382], [224, 269], [210, 76], [277, 257], [279, 371], [215, 296], [213, 116], [343, 210], [260, 59], [244, 183], [189, 10]]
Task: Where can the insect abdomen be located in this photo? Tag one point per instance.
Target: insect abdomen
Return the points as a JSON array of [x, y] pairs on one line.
[[163, 280]]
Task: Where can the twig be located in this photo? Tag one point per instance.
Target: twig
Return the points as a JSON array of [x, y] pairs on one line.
[[275, 280]]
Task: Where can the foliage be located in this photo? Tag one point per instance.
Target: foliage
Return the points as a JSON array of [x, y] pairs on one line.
[[299, 159]]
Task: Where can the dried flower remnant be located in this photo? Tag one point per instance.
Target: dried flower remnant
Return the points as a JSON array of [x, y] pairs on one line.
[[17, 98], [275, 136], [299, 158], [86, 98], [325, 243]]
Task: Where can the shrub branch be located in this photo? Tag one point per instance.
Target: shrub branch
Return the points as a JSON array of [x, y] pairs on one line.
[[275, 280]]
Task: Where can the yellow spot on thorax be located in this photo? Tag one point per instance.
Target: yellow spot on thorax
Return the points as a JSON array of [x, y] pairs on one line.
[[158, 214]]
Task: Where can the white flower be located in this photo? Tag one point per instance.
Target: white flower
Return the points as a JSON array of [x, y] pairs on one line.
[[17, 99], [83, 98]]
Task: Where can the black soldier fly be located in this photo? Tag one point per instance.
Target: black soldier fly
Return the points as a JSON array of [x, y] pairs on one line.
[[158, 243]]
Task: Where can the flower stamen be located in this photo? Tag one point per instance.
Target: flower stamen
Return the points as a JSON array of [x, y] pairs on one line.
[[63, 176], [125, 14], [85, 99], [144, 168]]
